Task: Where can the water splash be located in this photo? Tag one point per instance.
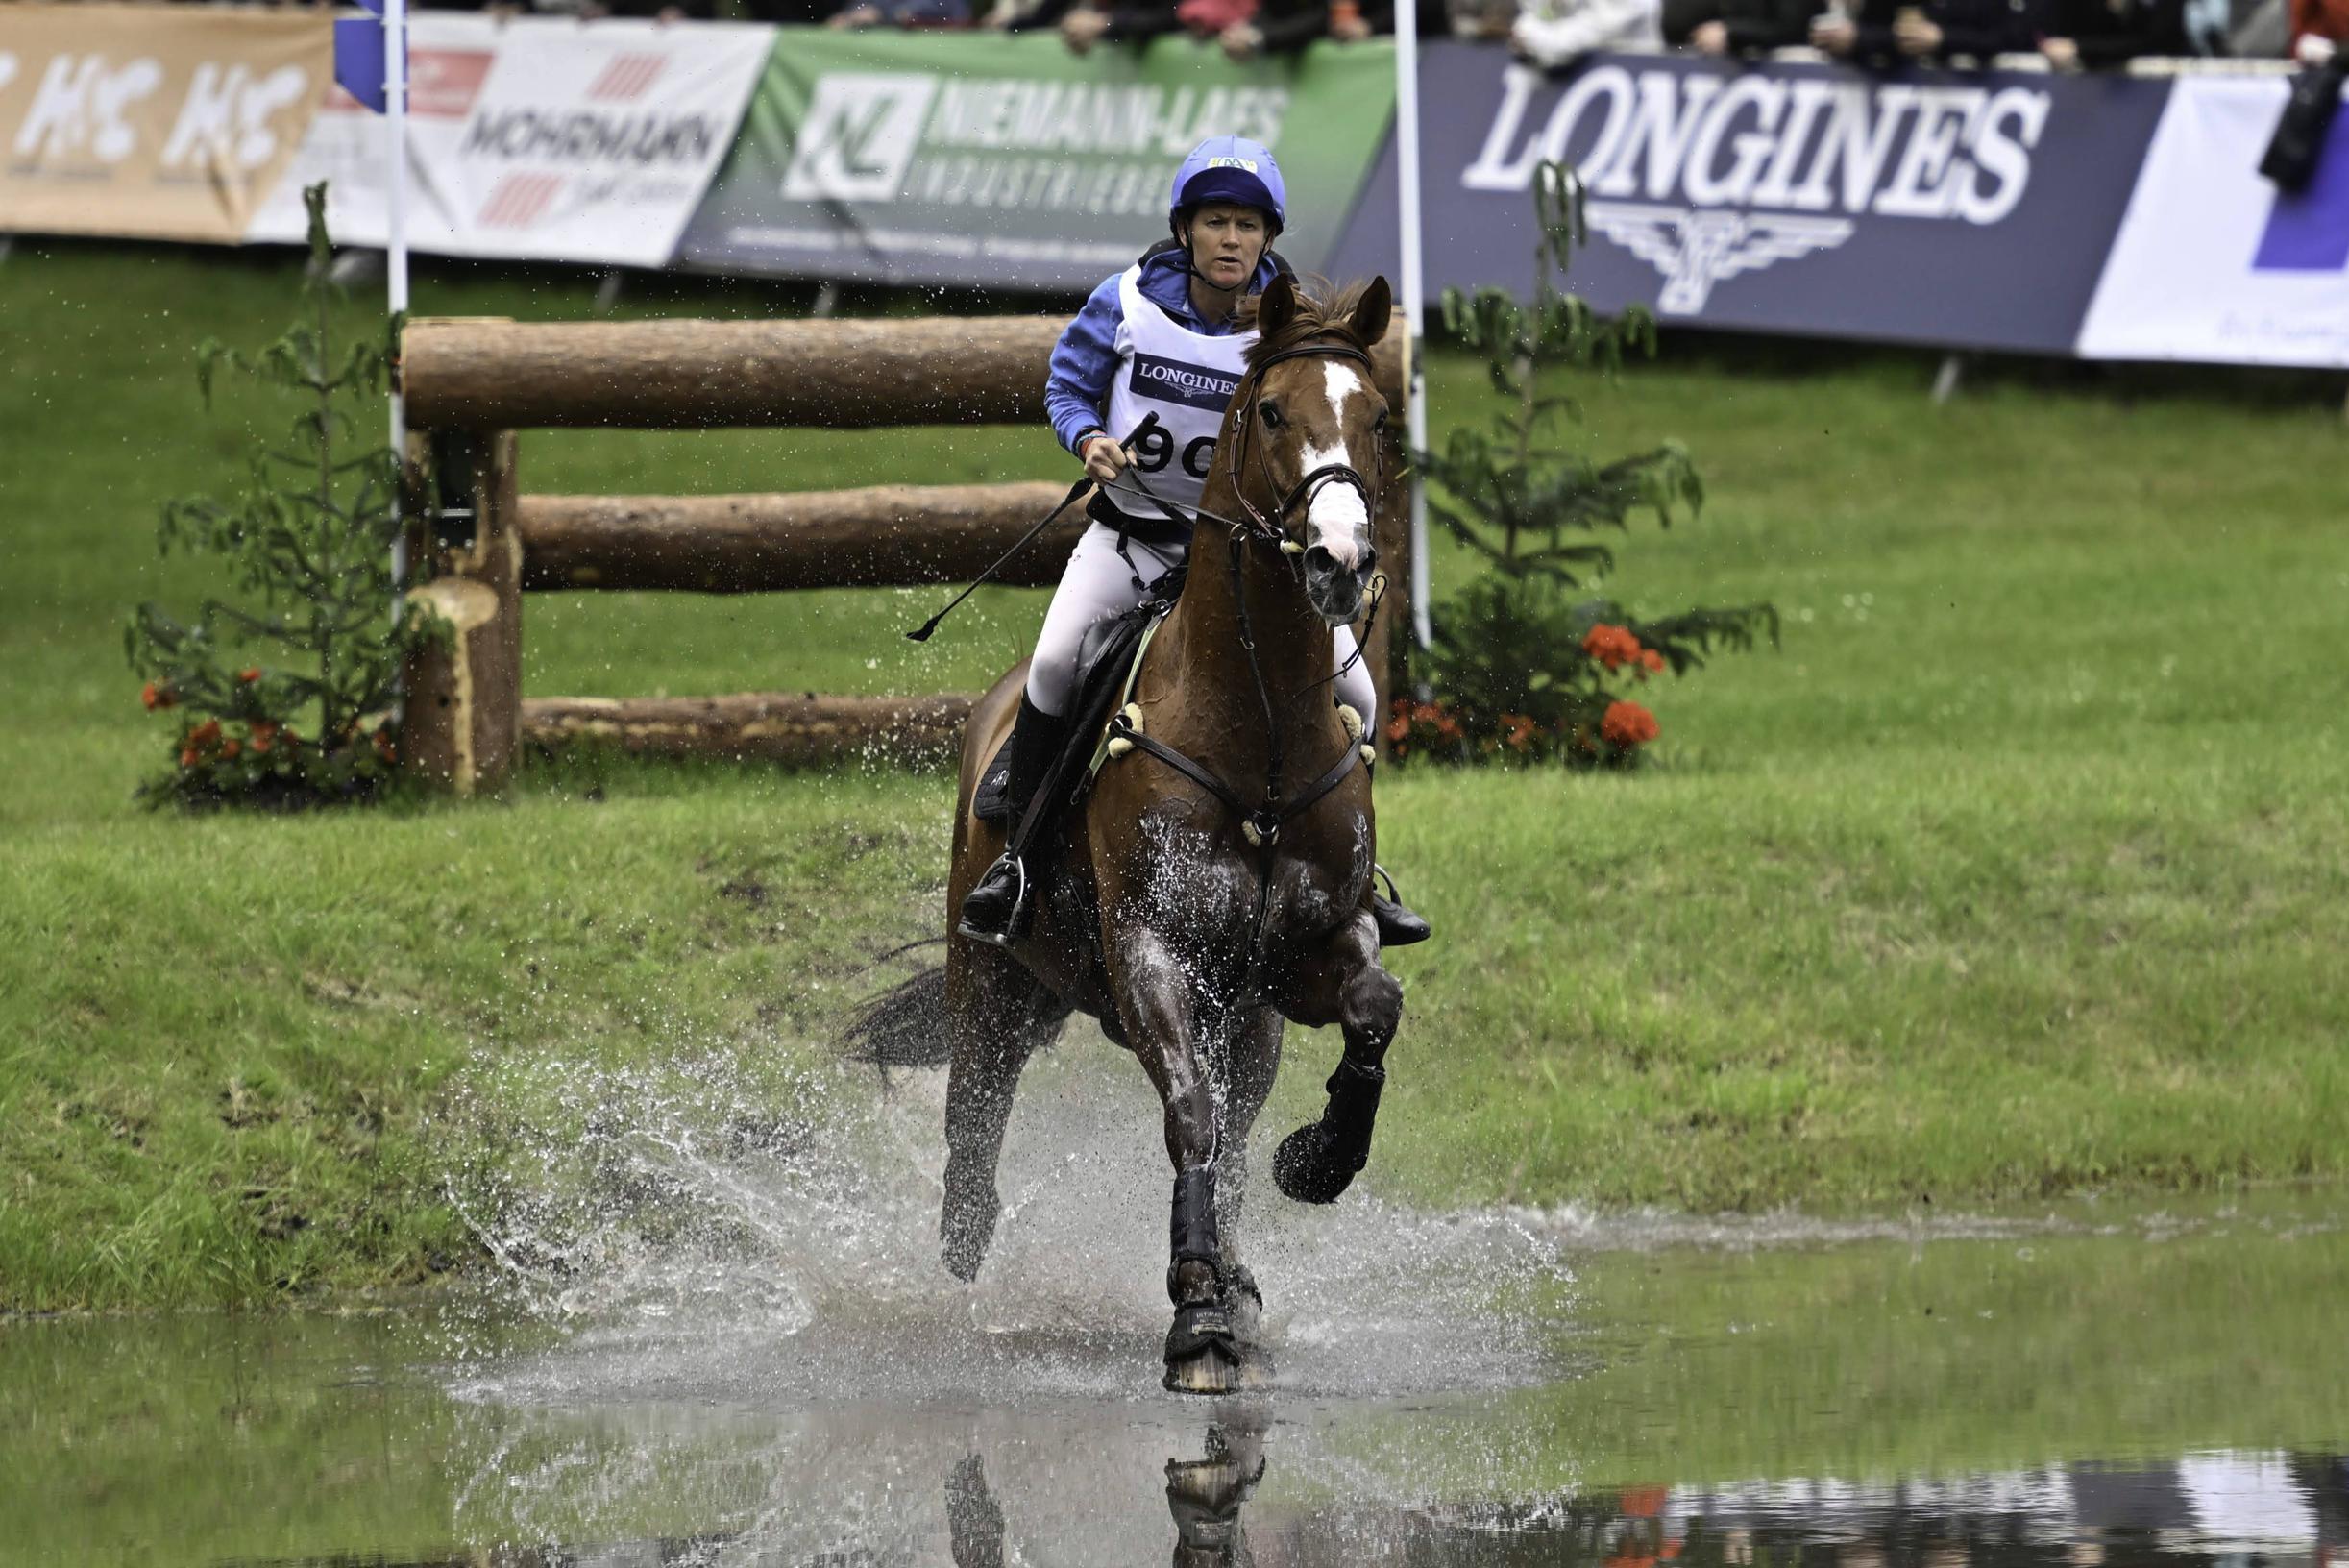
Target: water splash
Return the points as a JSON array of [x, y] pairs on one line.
[[762, 1230]]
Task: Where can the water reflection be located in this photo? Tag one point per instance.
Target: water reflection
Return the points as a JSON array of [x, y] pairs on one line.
[[2203, 1510]]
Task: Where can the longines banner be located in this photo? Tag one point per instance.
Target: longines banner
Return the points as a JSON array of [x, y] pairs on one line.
[[537, 138], [980, 159], [1973, 210], [166, 122]]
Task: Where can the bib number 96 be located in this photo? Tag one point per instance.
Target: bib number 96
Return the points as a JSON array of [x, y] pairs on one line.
[[1156, 449]]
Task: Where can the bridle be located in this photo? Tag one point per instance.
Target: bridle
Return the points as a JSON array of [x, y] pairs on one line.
[[1261, 824]]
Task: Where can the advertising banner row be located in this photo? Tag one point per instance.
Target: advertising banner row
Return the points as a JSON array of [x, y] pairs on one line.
[[2111, 217]]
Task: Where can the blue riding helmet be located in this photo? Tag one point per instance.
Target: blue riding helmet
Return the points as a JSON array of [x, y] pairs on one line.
[[1229, 169]]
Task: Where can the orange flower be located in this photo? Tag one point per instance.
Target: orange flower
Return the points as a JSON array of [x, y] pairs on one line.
[[1611, 645], [1627, 724], [1398, 727], [264, 730], [205, 733], [188, 756], [157, 696], [1651, 661], [248, 676], [230, 747], [1520, 730]]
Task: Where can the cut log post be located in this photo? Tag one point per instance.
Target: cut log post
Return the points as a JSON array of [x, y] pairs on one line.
[[462, 702], [888, 536], [793, 728], [481, 373]]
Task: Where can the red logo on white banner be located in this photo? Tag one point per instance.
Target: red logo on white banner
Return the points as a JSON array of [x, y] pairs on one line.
[[626, 76], [519, 201]]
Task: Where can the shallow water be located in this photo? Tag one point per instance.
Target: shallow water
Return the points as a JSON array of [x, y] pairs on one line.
[[719, 1337]]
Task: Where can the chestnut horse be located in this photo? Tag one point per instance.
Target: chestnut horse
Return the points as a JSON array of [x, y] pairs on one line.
[[1215, 882]]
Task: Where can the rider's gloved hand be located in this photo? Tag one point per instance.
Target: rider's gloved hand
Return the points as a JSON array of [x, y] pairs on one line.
[[1104, 458]]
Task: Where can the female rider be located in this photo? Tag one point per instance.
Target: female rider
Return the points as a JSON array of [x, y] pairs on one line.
[[1157, 339]]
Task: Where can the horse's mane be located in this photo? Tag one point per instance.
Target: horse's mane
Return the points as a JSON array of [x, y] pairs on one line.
[[1323, 310]]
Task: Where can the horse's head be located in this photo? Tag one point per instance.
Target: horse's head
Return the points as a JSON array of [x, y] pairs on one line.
[[1314, 433]]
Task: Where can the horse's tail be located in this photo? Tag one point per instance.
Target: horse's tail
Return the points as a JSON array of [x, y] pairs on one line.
[[905, 1026]]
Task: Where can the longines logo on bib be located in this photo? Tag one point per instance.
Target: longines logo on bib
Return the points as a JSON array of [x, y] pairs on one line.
[[1171, 381], [859, 137]]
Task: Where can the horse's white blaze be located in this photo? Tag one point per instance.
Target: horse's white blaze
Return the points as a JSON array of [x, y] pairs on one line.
[[1337, 521]]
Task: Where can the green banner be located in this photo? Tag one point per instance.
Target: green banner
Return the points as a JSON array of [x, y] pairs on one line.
[[982, 160]]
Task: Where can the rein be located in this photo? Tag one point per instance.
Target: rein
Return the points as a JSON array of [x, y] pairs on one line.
[[1261, 824]]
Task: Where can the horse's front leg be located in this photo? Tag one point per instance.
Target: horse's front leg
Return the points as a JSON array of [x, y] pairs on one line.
[[1158, 1004], [1341, 984], [1252, 1052]]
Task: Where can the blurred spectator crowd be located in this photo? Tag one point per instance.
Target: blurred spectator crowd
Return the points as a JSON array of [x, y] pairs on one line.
[[2059, 35]]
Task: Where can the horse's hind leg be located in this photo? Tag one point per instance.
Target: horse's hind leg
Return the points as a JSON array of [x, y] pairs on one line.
[[998, 1014]]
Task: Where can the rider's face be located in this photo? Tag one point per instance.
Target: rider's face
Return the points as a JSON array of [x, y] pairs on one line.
[[1226, 242]]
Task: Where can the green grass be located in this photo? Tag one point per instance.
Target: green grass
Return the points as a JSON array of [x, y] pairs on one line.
[[2019, 869]]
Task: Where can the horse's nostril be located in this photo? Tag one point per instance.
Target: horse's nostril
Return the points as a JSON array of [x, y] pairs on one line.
[[1318, 560]]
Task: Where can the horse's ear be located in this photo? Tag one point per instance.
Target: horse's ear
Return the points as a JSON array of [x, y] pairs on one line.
[[1277, 307], [1373, 310]]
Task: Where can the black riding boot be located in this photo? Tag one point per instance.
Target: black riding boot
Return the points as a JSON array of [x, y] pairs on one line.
[[999, 908], [1398, 926]]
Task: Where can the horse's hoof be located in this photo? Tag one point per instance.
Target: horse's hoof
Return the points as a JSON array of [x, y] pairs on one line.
[[1307, 1168], [1202, 1355], [1212, 1371], [963, 1247]]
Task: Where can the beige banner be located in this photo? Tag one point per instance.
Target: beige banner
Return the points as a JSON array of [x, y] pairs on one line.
[[161, 121]]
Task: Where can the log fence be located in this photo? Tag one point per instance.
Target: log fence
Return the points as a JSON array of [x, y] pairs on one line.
[[472, 385]]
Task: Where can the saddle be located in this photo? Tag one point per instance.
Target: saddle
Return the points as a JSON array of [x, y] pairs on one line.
[[1108, 659]]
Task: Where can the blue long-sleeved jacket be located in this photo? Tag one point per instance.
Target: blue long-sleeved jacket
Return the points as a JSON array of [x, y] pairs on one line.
[[1084, 360]]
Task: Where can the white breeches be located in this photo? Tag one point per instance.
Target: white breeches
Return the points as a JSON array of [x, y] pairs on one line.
[[1099, 584]]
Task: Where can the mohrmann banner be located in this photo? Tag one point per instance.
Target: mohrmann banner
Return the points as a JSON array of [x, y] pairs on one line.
[[161, 122], [1966, 209], [538, 138], [981, 159], [2212, 263]]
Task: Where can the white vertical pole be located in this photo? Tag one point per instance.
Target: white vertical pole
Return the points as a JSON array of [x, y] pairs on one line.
[[395, 247], [1414, 290]]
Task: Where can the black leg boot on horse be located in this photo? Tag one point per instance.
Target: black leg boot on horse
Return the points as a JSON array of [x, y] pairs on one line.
[[1000, 907]]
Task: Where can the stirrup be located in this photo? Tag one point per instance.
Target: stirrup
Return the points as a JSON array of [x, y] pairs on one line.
[[1016, 922]]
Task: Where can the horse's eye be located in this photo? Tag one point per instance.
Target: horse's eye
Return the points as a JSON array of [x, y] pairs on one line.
[[1272, 417], [1379, 423]]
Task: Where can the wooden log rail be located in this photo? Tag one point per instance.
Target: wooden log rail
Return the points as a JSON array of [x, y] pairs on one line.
[[470, 374], [794, 729], [887, 537]]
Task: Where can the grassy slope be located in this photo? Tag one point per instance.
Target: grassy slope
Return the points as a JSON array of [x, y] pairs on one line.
[[2020, 866]]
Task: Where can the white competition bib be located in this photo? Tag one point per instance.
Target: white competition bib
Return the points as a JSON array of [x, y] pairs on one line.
[[1185, 377]]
